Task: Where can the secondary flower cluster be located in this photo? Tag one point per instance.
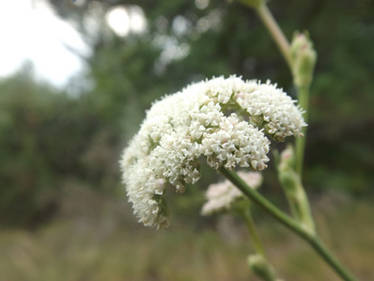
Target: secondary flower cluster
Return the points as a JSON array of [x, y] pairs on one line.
[[221, 195], [221, 120]]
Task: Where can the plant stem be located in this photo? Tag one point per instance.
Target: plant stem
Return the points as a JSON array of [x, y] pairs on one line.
[[303, 92], [321, 249], [297, 198], [290, 223], [252, 232], [303, 95], [263, 202], [277, 34]]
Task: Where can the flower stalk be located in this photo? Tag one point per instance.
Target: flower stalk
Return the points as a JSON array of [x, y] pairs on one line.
[[303, 58], [257, 262], [290, 223], [303, 97], [253, 232], [275, 31], [243, 209], [300, 58]]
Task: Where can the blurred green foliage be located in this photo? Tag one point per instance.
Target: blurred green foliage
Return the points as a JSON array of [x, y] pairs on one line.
[[49, 138], [226, 38], [100, 248]]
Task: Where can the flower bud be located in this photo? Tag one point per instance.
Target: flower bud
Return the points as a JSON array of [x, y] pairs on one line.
[[260, 266], [287, 158], [293, 188], [288, 178], [303, 58]]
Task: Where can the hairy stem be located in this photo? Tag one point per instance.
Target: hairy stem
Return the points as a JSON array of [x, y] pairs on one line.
[[289, 222]]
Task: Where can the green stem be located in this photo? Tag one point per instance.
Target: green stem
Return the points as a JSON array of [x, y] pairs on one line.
[[303, 95], [303, 211], [303, 92], [321, 249], [253, 232], [297, 198], [277, 34], [290, 223]]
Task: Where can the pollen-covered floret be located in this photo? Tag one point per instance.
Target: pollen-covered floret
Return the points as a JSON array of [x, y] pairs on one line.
[[221, 120], [221, 195]]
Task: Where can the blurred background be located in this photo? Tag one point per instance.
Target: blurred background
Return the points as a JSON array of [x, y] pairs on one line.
[[76, 79]]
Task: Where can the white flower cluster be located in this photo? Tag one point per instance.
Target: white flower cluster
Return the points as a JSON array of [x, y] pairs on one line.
[[269, 107], [221, 195], [221, 120]]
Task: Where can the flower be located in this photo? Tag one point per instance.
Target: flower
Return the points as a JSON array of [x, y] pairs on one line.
[[221, 195], [221, 120]]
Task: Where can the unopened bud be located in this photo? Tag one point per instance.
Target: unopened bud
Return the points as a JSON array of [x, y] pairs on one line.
[[291, 183], [288, 178], [287, 158], [303, 58], [260, 266]]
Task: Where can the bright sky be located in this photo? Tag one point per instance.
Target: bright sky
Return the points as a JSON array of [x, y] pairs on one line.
[[124, 20], [29, 30]]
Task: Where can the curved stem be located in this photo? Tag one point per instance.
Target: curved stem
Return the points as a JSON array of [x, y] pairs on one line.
[[277, 34], [303, 95], [269, 207], [290, 223]]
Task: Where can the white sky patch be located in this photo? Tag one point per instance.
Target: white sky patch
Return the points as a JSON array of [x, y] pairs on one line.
[[123, 20], [118, 20], [31, 31], [137, 19]]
